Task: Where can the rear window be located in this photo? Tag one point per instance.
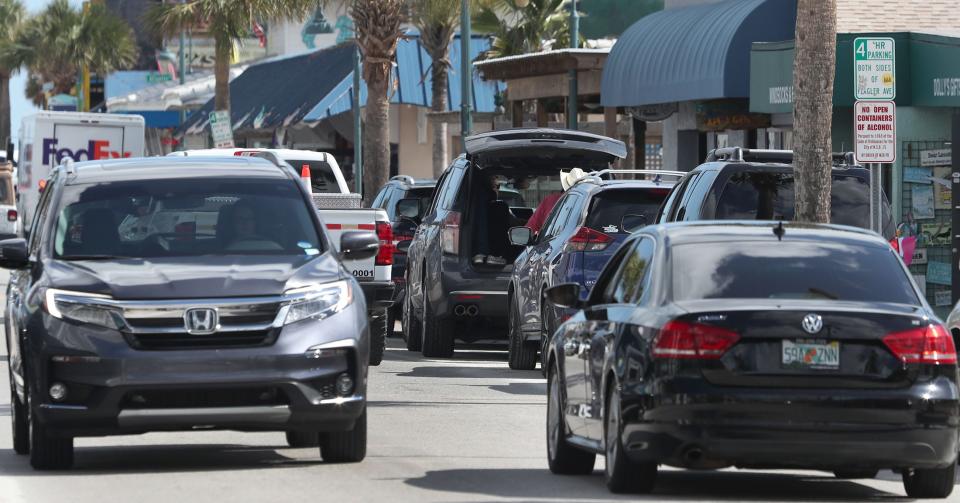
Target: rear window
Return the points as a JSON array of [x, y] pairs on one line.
[[321, 176], [770, 196], [608, 208], [789, 270], [425, 195]]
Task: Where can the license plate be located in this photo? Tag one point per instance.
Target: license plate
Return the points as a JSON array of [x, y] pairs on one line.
[[813, 354], [363, 273]]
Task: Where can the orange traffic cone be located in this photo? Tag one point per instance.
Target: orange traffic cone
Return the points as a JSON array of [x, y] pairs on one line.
[[305, 176]]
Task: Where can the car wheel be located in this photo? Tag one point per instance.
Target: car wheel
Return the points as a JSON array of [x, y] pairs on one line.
[[437, 342], [930, 482], [346, 446], [621, 474], [393, 314], [563, 458], [411, 325], [378, 337], [47, 450], [303, 439], [20, 424], [522, 356], [856, 474]]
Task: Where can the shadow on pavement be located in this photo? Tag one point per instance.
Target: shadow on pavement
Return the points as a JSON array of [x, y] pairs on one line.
[[161, 459], [727, 485], [522, 388], [470, 372]]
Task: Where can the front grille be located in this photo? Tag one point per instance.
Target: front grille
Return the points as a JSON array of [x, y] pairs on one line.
[[195, 398], [184, 340]]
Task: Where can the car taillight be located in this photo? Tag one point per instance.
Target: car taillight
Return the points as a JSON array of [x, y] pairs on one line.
[[11, 215], [450, 233], [387, 248], [587, 239], [399, 237], [929, 344], [693, 341]]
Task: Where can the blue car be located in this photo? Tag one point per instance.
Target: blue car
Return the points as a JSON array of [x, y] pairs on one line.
[[586, 227]]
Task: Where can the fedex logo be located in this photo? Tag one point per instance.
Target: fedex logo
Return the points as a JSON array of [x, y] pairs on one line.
[[96, 149]]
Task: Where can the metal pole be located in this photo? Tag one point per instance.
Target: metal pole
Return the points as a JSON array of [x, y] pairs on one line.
[[572, 107], [183, 73], [466, 75], [357, 126]]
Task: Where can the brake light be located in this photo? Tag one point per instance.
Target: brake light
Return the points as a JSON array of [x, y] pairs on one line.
[[387, 248], [587, 239], [450, 233], [693, 341], [11, 215], [930, 344]]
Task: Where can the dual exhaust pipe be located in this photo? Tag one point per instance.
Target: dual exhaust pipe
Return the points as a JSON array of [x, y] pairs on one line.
[[470, 310]]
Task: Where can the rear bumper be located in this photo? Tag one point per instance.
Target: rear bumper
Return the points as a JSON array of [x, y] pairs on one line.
[[488, 295], [379, 294]]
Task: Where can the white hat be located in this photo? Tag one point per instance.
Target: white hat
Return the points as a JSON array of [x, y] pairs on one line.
[[568, 178]]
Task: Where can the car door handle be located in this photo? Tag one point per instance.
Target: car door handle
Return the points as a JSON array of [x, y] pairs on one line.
[[571, 347]]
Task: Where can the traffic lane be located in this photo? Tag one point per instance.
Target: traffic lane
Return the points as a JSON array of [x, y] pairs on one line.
[[465, 429]]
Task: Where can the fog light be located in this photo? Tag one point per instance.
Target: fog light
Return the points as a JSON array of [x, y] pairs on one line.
[[58, 391], [344, 385]]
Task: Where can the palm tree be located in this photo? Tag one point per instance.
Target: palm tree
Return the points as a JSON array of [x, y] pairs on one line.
[[227, 21], [57, 44], [520, 27], [437, 21], [12, 13], [378, 31]]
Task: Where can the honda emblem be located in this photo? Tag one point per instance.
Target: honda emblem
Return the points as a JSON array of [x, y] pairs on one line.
[[201, 320]]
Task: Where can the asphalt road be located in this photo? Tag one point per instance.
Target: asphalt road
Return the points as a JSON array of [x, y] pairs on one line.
[[466, 429]]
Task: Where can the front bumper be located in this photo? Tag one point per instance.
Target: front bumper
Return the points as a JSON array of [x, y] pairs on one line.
[[379, 294]]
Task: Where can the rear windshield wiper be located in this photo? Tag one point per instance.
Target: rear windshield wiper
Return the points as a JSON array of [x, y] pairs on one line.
[[93, 257]]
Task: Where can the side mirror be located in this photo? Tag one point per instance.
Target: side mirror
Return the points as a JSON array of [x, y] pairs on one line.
[[14, 253], [358, 245], [409, 208], [521, 236], [630, 223], [566, 295], [404, 246]]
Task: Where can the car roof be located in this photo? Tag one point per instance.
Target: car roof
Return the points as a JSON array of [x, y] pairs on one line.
[[159, 168], [603, 185], [283, 153], [771, 166], [754, 230]]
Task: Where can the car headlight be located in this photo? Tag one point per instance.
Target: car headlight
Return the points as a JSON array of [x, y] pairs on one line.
[[82, 307], [318, 302]]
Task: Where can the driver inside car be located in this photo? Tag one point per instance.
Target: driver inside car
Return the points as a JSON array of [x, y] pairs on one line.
[[243, 226]]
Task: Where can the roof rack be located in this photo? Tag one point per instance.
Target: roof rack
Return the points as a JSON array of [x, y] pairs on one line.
[[68, 166], [404, 178], [740, 154], [652, 174]]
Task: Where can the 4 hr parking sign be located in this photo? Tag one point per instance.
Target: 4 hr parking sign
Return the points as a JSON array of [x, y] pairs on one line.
[[874, 68]]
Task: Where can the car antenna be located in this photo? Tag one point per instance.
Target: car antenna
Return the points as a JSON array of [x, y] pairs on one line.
[[778, 231]]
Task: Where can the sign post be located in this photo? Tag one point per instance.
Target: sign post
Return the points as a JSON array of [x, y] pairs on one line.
[[875, 113], [221, 129]]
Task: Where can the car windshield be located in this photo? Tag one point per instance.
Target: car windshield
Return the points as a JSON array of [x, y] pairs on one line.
[[610, 209], [173, 218], [798, 270], [770, 196]]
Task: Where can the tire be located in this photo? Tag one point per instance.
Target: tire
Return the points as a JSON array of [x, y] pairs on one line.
[[930, 482], [48, 451], [393, 314], [436, 342], [411, 325], [621, 474], [346, 446], [19, 422], [522, 356], [303, 439], [856, 474], [378, 337], [563, 458]]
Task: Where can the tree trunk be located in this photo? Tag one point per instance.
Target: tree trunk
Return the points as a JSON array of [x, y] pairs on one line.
[[221, 72], [5, 128], [814, 65], [439, 88], [376, 135]]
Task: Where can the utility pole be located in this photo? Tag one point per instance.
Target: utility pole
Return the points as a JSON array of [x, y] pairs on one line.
[[466, 76], [183, 69], [574, 43], [357, 125]]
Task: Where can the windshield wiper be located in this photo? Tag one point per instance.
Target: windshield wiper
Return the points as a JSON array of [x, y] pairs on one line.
[[93, 257]]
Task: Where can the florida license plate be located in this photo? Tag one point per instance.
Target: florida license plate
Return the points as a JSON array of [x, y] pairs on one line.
[[816, 354]]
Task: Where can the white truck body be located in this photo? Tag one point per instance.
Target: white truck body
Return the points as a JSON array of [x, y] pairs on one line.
[[49, 138]]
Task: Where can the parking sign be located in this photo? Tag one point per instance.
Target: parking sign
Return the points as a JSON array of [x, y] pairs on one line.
[[874, 68]]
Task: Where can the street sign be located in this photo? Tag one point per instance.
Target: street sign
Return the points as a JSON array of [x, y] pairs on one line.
[[221, 129], [154, 78], [875, 131], [874, 68]]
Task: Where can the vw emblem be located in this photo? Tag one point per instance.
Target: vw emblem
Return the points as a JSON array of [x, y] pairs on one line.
[[201, 320], [812, 323]]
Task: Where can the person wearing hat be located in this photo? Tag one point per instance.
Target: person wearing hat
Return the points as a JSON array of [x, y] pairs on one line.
[[539, 217]]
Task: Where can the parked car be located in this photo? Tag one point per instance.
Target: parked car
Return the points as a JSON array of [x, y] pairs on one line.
[[460, 260], [341, 212], [398, 188], [9, 216], [184, 293], [755, 184], [587, 226], [782, 346]]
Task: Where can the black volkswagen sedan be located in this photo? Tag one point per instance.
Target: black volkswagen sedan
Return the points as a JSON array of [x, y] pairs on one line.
[[755, 345]]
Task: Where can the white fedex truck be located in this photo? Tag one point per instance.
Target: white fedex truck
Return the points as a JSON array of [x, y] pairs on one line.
[[48, 138]]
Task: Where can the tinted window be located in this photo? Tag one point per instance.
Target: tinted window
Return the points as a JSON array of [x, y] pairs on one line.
[[451, 187], [321, 175], [200, 216], [564, 216], [608, 208], [789, 270], [43, 209], [630, 283], [380, 200]]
